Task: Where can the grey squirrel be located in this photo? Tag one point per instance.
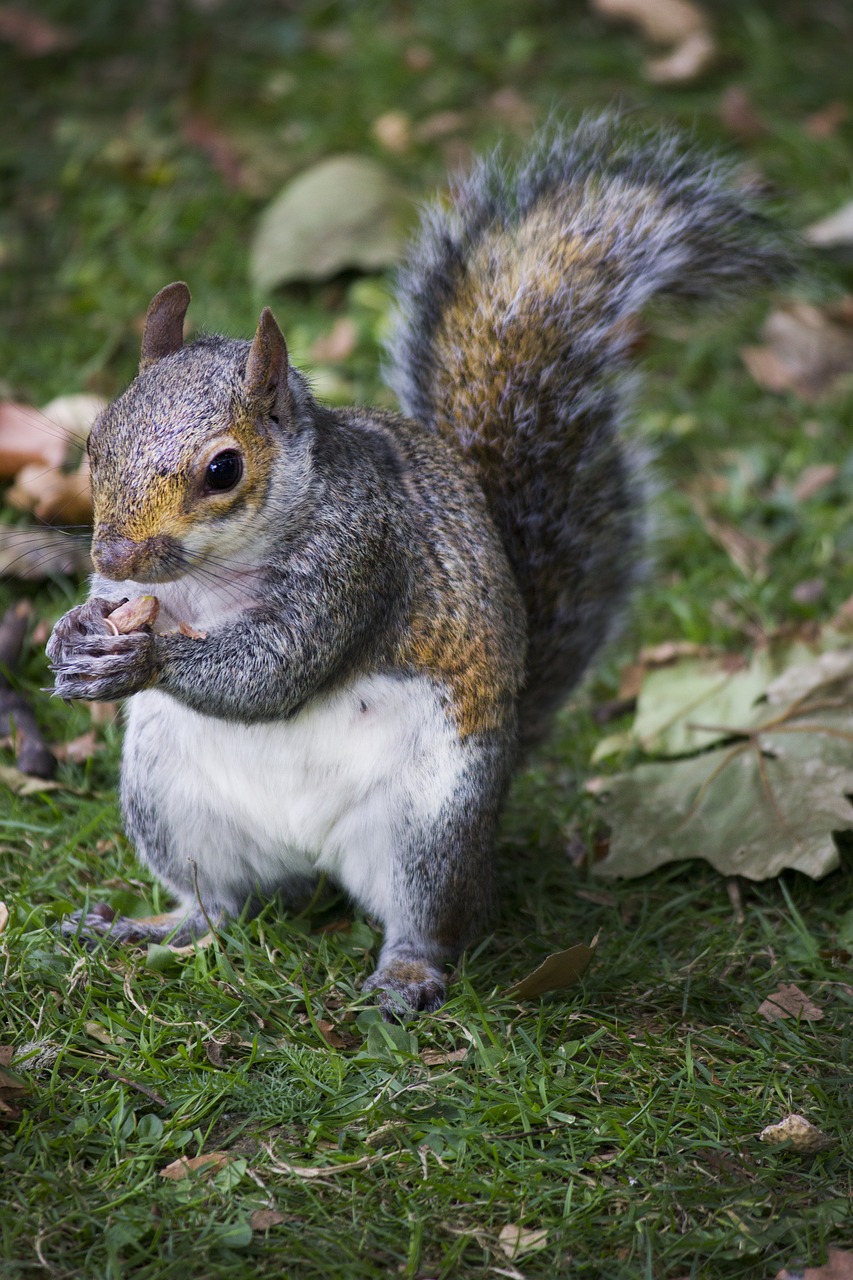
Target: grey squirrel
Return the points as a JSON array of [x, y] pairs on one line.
[[365, 619]]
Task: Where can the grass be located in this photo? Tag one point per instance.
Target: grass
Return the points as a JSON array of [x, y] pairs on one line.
[[621, 1119]]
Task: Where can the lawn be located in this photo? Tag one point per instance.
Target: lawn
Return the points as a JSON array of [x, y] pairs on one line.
[[606, 1131]]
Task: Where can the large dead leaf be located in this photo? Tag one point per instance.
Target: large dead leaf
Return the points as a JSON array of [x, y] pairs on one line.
[[679, 23], [806, 350], [777, 797], [789, 1002], [555, 973], [798, 1133], [344, 212], [838, 1266], [690, 705]]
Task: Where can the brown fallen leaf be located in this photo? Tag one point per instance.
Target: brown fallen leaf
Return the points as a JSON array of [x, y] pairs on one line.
[[53, 495], [263, 1219], [184, 1166], [832, 231], [336, 345], [813, 479], [12, 1089], [514, 1240], [7, 1053], [824, 123], [679, 23], [789, 1002], [747, 552], [198, 944], [440, 125], [838, 1266], [739, 116], [806, 350], [4, 920], [393, 131], [133, 615], [333, 1036], [439, 1058], [798, 1132], [30, 34], [28, 436], [77, 750], [559, 970]]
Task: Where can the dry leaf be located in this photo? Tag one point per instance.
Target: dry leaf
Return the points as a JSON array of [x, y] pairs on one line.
[[102, 713], [789, 1002], [838, 1266], [739, 116], [30, 34], [440, 125], [836, 229], [7, 1053], [23, 784], [4, 918], [747, 553], [77, 750], [439, 1058], [28, 436], [184, 1166], [336, 345], [798, 1132], [198, 944], [813, 479], [52, 494], [97, 1032], [693, 56], [333, 1036], [263, 1219], [562, 969], [806, 350], [824, 123], [393, 131], [515, 1240], [680, 23]]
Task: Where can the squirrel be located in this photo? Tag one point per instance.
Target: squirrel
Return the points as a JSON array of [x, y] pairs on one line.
[[367, 619]]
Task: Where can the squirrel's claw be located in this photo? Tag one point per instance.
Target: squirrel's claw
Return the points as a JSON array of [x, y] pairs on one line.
[[405, 988]]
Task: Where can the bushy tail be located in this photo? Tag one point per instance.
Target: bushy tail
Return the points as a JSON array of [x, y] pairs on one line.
[[515, 313]]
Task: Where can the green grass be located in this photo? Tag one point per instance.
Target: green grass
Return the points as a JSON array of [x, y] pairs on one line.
[[621, 1118]]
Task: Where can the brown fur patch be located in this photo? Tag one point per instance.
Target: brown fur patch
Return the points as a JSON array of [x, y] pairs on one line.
[[463, 660]]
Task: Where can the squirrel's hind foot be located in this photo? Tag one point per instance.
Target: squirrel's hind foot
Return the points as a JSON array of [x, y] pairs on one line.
[[407, 987], [100, 925]]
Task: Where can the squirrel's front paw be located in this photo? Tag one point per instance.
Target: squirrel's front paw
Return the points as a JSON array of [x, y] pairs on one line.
[[103, 667], [77, 625], [405, 987]]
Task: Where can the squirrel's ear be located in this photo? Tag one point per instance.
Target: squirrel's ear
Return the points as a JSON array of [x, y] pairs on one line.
[[266, 368], [164, 323]]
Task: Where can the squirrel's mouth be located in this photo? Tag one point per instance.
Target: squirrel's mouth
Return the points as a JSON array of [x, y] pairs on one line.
[[157, 559]]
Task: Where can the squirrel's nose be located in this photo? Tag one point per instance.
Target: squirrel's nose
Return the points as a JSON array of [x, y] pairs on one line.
[[115, 557]]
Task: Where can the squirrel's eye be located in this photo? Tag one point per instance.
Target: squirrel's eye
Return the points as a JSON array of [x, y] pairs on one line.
[[224, 471]]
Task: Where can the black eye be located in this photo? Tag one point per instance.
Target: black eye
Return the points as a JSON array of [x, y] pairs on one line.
[[224, 471]]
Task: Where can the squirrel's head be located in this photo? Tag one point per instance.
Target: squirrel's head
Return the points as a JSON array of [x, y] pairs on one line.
[[182, 462]]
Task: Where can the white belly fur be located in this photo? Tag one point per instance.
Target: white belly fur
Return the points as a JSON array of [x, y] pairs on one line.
[[334, 789]]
